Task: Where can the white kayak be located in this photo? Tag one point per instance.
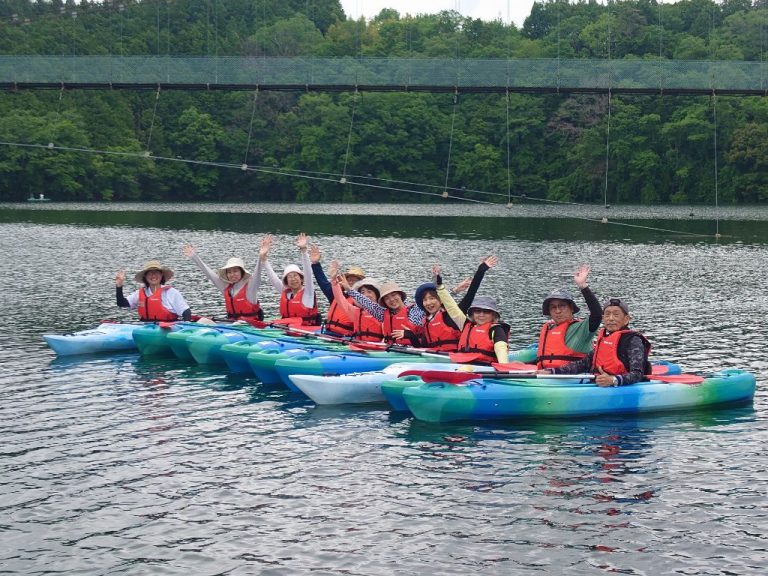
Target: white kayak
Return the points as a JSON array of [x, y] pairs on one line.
[[106, 337], [364, 387]]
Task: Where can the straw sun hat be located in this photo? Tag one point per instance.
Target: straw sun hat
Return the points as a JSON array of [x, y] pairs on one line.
[[154, 265]]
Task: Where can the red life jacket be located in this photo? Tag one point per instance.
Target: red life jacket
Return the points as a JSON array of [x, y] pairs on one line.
[[439, 335], [367, 327], [293, 308], [238, 306], [478, 339], [151, 307], [552, 351], [399, 321], [606, 353], [337, 321]]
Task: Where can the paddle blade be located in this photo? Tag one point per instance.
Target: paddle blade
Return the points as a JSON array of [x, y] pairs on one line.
[[447, 377], [464, 357], [365, 346], [165, 325], [507, 366]]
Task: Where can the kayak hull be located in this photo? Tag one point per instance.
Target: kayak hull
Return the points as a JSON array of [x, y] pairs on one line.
[[339, 364], [359, 387], [551, 398], [106, 337]]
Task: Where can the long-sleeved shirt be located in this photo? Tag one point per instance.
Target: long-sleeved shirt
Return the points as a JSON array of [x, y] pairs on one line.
[[308, 298], [631, 352], [171, 299], [214, 277], [322, 281], [415, 314], [499, 334], [579, 335]]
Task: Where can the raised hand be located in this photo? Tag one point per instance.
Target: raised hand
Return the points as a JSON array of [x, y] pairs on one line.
[[334, 269], [120, 278], [266, 245], [189, 250], [462, 286], [436, 269], [341, 279], [314, 254], [491, 261], [580, 276], [301, 241]]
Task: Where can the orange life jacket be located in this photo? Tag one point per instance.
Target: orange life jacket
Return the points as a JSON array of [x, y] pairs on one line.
[[293, 308], [475, 338], [399, 321], [151, 307], [606, 353], [337, 321], [238, 306], [552, 351], [367, 327], [439, 335]]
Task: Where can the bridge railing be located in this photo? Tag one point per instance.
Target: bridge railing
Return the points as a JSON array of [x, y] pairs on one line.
[[401, 74]]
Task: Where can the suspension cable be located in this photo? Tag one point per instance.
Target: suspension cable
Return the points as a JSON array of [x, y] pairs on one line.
[[250, 129], [450, 143], [343, 179]]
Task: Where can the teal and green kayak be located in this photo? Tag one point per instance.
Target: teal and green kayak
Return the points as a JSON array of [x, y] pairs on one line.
[[566, 398]]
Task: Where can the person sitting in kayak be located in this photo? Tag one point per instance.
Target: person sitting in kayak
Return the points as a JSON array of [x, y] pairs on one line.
[[402, 322], [297, 293], [482, 330], [366, 327], [563, 338], [336, 322], [439, 331], [232, 280], [155, 301], [620, 355]]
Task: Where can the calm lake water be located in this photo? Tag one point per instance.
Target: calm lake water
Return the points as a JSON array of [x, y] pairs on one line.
[[127, 465]]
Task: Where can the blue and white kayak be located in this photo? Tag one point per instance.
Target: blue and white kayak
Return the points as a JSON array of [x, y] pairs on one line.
[[364, 387], [106, 337]]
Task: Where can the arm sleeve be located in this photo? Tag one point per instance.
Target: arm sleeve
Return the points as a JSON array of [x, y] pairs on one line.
[[466, 302], [576, 367], [451, 308], [308, 296], [122, 301], [322, 281], [500, 346], [209, 273], [341, 302], [595, 310], [635, 362], [274, 279], [175, 302], [376, 310], [252, 291]]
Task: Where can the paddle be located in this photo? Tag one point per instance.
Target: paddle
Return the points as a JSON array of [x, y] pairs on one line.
[[460, 377], [458, 357]]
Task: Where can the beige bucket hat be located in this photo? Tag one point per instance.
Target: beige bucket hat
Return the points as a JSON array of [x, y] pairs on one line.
[[154, 265], [234, 263], [389, 288]]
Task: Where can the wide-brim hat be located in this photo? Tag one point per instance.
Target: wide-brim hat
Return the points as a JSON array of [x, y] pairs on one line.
[[389, 288], [484, 303], [370, 283], [233, 263], [421, 292], [154, 265], [560, 294], [355, 271], [616, 302], [292, 268]]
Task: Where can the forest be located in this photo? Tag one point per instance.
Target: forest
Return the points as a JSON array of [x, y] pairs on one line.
[[375, 146]]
